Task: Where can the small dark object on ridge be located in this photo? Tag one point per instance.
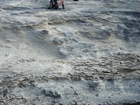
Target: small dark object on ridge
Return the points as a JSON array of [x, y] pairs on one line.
[[75, 0], [138, 103]]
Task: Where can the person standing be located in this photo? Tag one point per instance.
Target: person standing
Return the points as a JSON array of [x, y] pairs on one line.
[[53, 4], [61, 3]]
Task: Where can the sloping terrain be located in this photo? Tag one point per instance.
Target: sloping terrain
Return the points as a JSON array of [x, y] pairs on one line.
[[88, 53]]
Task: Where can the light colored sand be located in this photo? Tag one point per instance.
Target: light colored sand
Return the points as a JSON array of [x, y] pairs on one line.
[[88, 53]]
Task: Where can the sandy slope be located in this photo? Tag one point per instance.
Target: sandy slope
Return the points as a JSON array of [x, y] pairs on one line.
[[88, 53]]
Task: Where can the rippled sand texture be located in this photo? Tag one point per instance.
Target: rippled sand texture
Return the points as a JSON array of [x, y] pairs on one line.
[[88, 53]]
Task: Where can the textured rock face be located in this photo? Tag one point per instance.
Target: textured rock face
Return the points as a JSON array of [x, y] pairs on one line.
[[88, 53], [22, 3]]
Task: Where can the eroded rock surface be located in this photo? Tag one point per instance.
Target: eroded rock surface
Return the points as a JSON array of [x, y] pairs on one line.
[[87, 54]]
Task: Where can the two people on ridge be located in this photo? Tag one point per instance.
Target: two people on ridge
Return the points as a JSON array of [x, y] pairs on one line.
[[55, 5]]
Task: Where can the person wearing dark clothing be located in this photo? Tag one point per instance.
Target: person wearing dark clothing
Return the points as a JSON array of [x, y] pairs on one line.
[[53, 4]]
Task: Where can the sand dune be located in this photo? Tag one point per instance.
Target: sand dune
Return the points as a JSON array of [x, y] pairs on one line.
[[88, 53]]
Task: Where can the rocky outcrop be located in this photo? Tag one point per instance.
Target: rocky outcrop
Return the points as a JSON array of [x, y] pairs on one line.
[[88, 53]]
